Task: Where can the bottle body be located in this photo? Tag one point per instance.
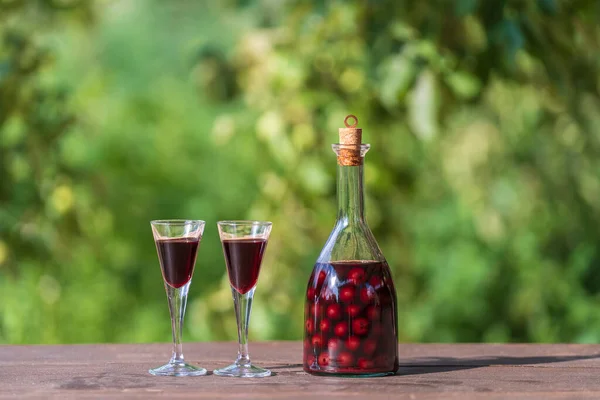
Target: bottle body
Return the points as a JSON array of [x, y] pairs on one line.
[[350, 319]]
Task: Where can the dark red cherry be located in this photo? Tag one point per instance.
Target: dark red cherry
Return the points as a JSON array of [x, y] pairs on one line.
[[353, 310], [310, 360], [310, 294], [312, 309], [376, 329], [352, 343], [323, 359], [347, 293], [357, 276], [376, 281], [321, 278], [309, 326], [367, 295], [317, 341], [325, 325], [373, 313], [333, 345], [360, 326], [344, 359], [369, 346], [307, 345], [364, 363], [334, 311], [341, 329]]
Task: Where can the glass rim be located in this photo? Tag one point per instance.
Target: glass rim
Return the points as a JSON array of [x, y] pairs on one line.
[[247, 222], [181, 222]]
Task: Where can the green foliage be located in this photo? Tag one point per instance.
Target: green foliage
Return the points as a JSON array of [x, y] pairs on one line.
[[482, 179]]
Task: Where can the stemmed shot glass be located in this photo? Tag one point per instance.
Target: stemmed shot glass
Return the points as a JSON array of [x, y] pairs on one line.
[[177, 244], [244, 244]]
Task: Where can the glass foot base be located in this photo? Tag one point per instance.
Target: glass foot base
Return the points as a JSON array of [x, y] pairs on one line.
[[177, 370], [243, 371]]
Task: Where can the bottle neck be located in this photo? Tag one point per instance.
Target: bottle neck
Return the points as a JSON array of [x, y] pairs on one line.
[[350, 192]]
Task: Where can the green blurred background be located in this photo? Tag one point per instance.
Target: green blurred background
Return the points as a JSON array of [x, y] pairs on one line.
[[483, 182]]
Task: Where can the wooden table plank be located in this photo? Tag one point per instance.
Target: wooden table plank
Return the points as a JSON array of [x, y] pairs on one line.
[[428, 371]]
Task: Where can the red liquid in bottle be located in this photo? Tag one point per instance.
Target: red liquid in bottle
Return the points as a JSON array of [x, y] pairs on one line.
[[350, 321]]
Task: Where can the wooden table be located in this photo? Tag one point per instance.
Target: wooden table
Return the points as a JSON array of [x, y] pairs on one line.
[[428, 371]]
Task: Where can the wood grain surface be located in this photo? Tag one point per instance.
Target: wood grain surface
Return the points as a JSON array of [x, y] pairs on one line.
[[428, 371]]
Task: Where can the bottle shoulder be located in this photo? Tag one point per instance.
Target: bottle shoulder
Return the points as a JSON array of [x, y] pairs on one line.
[[351, 241]]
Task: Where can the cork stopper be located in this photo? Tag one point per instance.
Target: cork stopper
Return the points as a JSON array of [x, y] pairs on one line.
[[350, 141]]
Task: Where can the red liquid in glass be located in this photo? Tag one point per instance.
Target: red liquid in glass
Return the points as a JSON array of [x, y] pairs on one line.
[[243, 258], [177, 258], [350, 323]]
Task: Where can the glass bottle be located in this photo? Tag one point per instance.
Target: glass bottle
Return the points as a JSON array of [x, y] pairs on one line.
[[351, 325]]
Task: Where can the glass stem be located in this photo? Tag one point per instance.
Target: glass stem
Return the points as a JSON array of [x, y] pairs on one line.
[[243, 306], [177, 301]]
